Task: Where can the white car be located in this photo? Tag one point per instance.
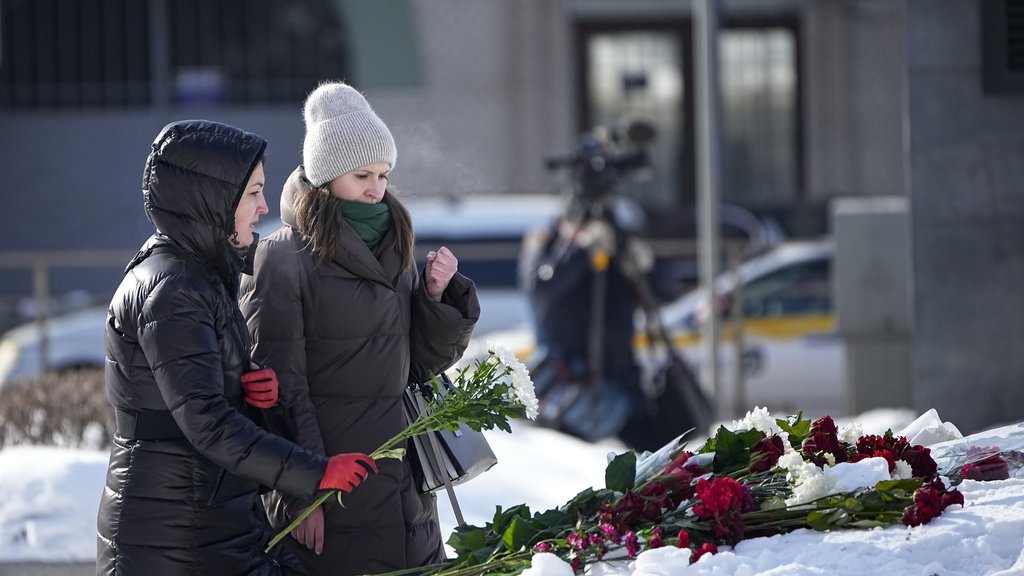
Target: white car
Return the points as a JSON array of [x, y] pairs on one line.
[[74, 340], [792, 353]]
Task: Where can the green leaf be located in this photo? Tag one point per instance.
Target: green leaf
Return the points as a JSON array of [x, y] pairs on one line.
[[732, 450], [587, 502], [496, 520], [819, 520], [620, 475], [518, 534], [550, 519], [466, 539], [909, 485], [798, 430], [506, 518], [868, 524]]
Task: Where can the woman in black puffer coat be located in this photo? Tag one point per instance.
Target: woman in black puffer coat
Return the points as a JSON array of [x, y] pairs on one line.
[[187, 461]]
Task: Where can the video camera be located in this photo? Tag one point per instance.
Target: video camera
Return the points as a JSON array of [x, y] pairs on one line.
[[603, 157]]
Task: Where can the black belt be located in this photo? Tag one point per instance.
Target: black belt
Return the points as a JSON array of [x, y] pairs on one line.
[[154, 425]]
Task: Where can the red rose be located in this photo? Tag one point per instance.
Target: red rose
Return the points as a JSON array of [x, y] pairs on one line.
[[920, 460], [929, 502], [993, 467], [765, 454], [684, 539], [823, 439], [677, 462]]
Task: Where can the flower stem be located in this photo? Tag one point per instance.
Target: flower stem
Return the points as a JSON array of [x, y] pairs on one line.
[[297, 521], [419, 426]]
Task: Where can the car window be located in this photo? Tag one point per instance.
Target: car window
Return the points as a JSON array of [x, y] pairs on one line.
[[801, 289]]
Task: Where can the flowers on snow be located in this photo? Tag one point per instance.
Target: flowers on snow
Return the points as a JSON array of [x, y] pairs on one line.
[[761, 476]]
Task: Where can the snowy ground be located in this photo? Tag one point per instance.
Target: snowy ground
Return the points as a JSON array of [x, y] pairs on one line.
[[48, 500]]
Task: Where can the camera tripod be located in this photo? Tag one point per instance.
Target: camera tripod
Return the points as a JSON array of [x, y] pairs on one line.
[[668, 401]]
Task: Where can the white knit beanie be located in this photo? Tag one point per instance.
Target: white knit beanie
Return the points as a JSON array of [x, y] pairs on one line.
[[342, 134]]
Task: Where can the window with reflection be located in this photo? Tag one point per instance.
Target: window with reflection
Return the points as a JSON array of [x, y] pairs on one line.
[[799, 290]]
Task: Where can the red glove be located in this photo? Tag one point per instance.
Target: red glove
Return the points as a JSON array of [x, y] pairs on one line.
[[259, 388], [345, 471]]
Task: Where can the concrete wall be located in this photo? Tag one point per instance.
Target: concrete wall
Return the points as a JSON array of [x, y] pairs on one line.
[[853, 88], [966, 173], [496, 98], [73, 181], [492, 99]]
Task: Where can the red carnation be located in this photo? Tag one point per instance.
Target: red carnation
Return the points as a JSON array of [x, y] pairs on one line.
[[632, 544], [656, 540], [876, 454], [722, 502], [706, 548], [598, 543], [577, 540], [611, 533], [718, 496]]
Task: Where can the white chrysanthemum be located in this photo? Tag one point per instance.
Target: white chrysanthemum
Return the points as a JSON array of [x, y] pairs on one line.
[[757, 419], [526, 395], [903, 471], [809, 483], [850, 433], [502, 354], [791, 460], [522, 390]]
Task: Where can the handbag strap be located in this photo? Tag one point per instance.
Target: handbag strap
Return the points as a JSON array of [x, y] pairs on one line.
[[437, 462]]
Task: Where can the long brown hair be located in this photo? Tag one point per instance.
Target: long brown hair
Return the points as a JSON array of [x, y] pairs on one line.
[[318, 216]]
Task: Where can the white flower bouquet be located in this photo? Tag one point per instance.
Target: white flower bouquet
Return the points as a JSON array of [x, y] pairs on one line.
[[483, 396]]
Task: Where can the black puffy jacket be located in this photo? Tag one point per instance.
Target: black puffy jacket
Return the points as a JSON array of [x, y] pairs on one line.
[[182, 486]]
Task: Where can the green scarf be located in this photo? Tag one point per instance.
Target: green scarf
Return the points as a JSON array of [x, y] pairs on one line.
[[370, 221]]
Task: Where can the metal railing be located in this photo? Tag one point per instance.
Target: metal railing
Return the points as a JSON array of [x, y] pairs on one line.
[[41, 262]]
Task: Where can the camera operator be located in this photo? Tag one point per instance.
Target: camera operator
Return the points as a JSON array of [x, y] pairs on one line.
[[583, 303]]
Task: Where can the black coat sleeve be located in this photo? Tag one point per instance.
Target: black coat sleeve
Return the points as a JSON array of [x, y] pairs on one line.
[[178, 336], [271, 301], [441, 330]]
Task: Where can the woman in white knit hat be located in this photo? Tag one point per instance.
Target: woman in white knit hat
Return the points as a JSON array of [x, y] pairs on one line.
[[337, 307]]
